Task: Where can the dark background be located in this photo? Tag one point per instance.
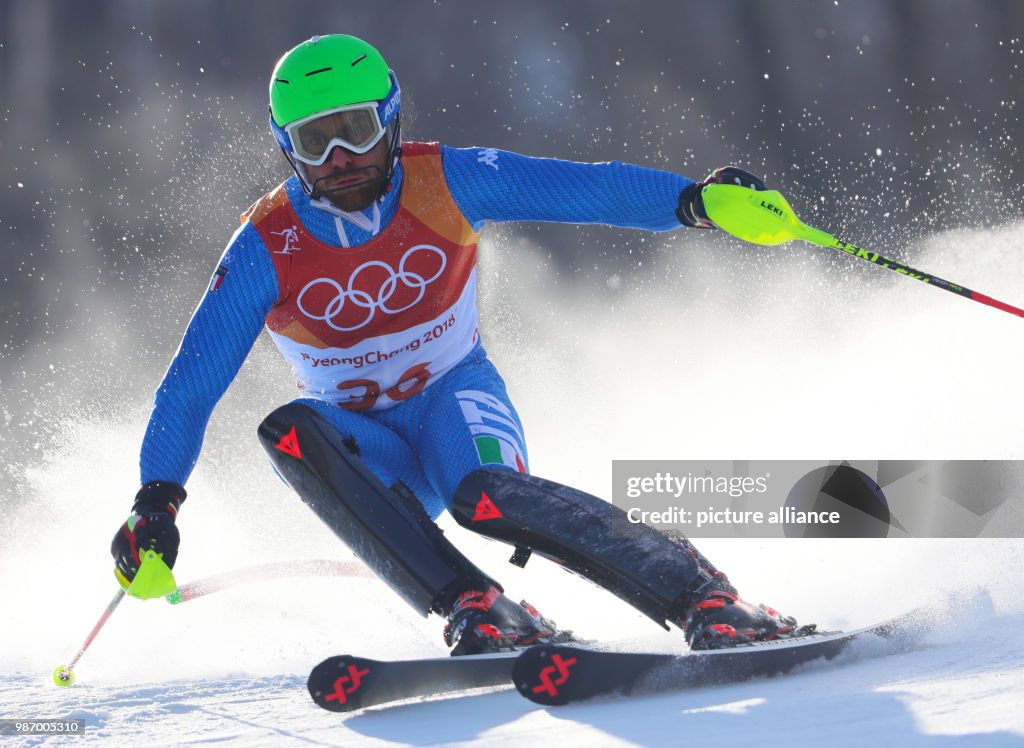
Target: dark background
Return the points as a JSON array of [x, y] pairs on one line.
[[134, 133]]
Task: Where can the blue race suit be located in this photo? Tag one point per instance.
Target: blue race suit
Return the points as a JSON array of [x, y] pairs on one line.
[[431, 440]]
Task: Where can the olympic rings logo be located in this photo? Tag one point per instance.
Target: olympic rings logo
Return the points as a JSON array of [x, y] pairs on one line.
[[357, 297]]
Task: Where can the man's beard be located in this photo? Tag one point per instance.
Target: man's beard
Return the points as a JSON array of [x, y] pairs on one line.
[[359, 196]]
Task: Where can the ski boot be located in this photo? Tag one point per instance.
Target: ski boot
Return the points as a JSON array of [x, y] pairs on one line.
[[723, 619], [482, 622], [718, 618]]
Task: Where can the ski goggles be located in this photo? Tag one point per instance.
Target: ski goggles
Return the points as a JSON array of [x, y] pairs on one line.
[[355, 127]]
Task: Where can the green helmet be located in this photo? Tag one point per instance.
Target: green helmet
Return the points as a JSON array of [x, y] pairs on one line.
[[329, 72], [324, 73]]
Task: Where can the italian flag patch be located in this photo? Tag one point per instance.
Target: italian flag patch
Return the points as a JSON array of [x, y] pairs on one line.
[[498, 451]]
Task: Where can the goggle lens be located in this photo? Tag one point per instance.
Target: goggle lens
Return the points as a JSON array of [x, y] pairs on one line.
[[357, 130]]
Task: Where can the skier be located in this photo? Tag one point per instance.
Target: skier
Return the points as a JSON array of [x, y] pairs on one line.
[[362, 267]]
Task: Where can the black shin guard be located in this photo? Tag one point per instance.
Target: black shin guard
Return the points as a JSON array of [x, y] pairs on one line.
[[587, 536], [388, 529]]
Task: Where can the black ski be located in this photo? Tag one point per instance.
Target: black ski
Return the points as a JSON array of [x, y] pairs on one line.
[[559, 674], [345, 683]]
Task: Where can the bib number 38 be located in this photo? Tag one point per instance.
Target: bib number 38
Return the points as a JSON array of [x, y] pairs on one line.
[[363, 394]]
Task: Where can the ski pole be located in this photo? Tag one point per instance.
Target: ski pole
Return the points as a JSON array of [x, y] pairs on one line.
[[764, 217], [153, 579], [64, 675]]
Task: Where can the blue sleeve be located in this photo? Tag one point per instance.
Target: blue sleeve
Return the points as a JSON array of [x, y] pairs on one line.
[[492, 185], [219, 337]]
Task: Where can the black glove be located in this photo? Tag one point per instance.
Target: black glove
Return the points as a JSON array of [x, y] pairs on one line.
[[150, 527], [691, 206]]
